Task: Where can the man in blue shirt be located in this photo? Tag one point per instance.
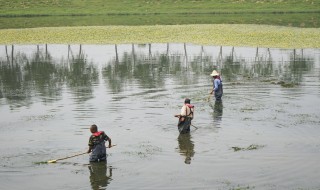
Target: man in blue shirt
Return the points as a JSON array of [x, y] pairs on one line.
[[217, 85]]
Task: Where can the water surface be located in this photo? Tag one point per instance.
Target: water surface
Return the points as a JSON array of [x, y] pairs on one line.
[[264, 135]]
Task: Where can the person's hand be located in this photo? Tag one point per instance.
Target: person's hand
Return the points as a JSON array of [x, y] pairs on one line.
[[88, 151], [110, 146]]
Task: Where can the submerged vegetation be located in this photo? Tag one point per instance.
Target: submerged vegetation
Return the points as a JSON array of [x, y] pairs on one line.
[[220, 34]]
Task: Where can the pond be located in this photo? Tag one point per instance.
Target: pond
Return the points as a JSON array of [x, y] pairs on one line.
[[264, 134]]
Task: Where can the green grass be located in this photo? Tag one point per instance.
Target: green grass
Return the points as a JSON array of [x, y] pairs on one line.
[[307, 20], [162, 21], [142, 7], [220, 34]]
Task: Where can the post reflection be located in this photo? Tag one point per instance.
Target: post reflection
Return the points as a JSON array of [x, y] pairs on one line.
[[45, 71], [99, 177], [186, 147]]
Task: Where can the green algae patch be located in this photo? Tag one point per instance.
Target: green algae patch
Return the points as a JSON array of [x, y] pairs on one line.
[[251, 147], [212, 34]]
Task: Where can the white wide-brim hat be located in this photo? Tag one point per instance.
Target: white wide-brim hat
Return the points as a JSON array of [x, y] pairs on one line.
[[214, 73]]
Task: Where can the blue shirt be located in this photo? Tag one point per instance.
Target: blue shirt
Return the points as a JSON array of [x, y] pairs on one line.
[[216, 84]]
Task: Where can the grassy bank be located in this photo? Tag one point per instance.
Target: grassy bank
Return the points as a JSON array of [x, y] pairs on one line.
[[220, 34], [306, 20], [15, 8]]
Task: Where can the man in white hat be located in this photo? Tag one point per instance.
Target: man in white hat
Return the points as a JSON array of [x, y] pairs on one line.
[[217, 85]]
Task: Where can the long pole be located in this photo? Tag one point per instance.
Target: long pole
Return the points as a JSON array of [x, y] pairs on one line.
[[54, 161]]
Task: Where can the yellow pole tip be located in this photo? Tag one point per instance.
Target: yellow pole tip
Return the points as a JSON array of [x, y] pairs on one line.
[[52, 161]]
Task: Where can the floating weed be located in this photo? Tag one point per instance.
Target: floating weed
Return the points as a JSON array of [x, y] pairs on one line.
[[231, 186], [305, 119], [285, 84], [251, 147], [206, 34], [268, 80], [236, 83], [249, 109], [239, 187], [39, 117], [288, 85], [144, 150]]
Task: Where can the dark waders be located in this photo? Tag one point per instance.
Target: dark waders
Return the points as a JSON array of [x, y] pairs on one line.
[[218, 93], [99, 152], [184, 126]]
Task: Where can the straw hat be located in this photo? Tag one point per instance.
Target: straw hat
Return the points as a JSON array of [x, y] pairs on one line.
[[214, 73]]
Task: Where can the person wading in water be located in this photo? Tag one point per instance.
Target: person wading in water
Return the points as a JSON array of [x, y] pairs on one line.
[[217, 85], [97, 145], [185, 117]]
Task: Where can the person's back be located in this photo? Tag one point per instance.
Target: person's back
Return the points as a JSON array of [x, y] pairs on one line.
[[187, 110], [97, 145], [185, 117]]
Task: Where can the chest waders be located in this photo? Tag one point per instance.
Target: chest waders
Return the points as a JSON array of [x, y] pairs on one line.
[[99, 152], [184, 126], [219, 92]]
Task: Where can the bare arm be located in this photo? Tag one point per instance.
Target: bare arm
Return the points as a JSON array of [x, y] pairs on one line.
[[109, 140], [90, 149]]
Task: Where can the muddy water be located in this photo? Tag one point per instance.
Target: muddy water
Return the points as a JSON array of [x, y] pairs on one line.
[[264, 135]]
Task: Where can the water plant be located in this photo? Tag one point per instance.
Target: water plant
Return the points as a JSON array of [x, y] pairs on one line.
[[250, 147]]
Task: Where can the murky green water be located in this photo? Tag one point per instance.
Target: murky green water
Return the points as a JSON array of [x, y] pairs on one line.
[[264, 135]]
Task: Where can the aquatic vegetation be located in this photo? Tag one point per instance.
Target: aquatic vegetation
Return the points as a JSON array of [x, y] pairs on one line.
[[251, 147], [212, 34], [305, 119], [231, 186], [145, 150], [286, 84], [39, 117]]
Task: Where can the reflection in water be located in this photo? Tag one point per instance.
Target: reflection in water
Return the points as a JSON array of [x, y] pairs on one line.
[[23, 76], [149, 70], [99, 177], [80, 75], [217, 112], [41, 73], [186, 147], [298, 65]]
